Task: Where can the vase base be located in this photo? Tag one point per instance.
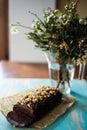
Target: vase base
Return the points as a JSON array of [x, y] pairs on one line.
[[65, 90]]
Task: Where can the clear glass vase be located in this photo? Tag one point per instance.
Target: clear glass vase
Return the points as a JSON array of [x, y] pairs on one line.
[[62, 72]]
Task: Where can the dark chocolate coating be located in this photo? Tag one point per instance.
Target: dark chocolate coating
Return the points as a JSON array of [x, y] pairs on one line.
[[18, 119], [22, 115]]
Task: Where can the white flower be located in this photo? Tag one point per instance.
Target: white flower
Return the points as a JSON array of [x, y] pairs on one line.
[[82, 21], [79, 61], [14, 30]]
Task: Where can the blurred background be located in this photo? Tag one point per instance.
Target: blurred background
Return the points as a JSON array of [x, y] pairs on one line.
[[15, 47]]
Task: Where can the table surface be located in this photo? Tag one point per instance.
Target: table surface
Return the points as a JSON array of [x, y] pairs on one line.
[[29, 70], [74, 119], [23, 70]]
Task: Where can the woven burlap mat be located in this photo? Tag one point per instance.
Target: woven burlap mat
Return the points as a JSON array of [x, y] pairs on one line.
[[6, 105]]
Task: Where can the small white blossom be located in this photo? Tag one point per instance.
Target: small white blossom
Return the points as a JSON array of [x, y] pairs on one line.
[[82, 21], [14, 30], [79, 61]]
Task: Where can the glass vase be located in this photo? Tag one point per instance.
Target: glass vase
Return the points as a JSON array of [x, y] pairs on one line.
[[62, 72]]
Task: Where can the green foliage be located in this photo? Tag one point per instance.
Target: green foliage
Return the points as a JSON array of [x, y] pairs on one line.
[[64, 34]]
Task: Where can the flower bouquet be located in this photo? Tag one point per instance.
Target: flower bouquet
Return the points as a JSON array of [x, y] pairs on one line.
[[62, 35]]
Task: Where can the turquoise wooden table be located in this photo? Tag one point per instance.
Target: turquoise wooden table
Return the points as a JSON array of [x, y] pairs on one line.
[[74, 119]]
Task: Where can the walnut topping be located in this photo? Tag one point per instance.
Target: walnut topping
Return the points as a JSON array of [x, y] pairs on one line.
[[28, 105], [37, 95]]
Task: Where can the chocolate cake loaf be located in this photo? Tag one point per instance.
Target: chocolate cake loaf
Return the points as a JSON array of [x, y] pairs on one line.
[[33, 106]]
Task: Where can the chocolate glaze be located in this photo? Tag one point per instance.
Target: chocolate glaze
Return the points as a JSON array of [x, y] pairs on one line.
[[22, 116], [18, 119]]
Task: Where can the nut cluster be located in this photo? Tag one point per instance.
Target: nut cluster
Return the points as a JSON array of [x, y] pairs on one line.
[[37, 95]]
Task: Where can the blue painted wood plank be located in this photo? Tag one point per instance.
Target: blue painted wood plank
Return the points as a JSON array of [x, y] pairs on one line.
[[74, 119]]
